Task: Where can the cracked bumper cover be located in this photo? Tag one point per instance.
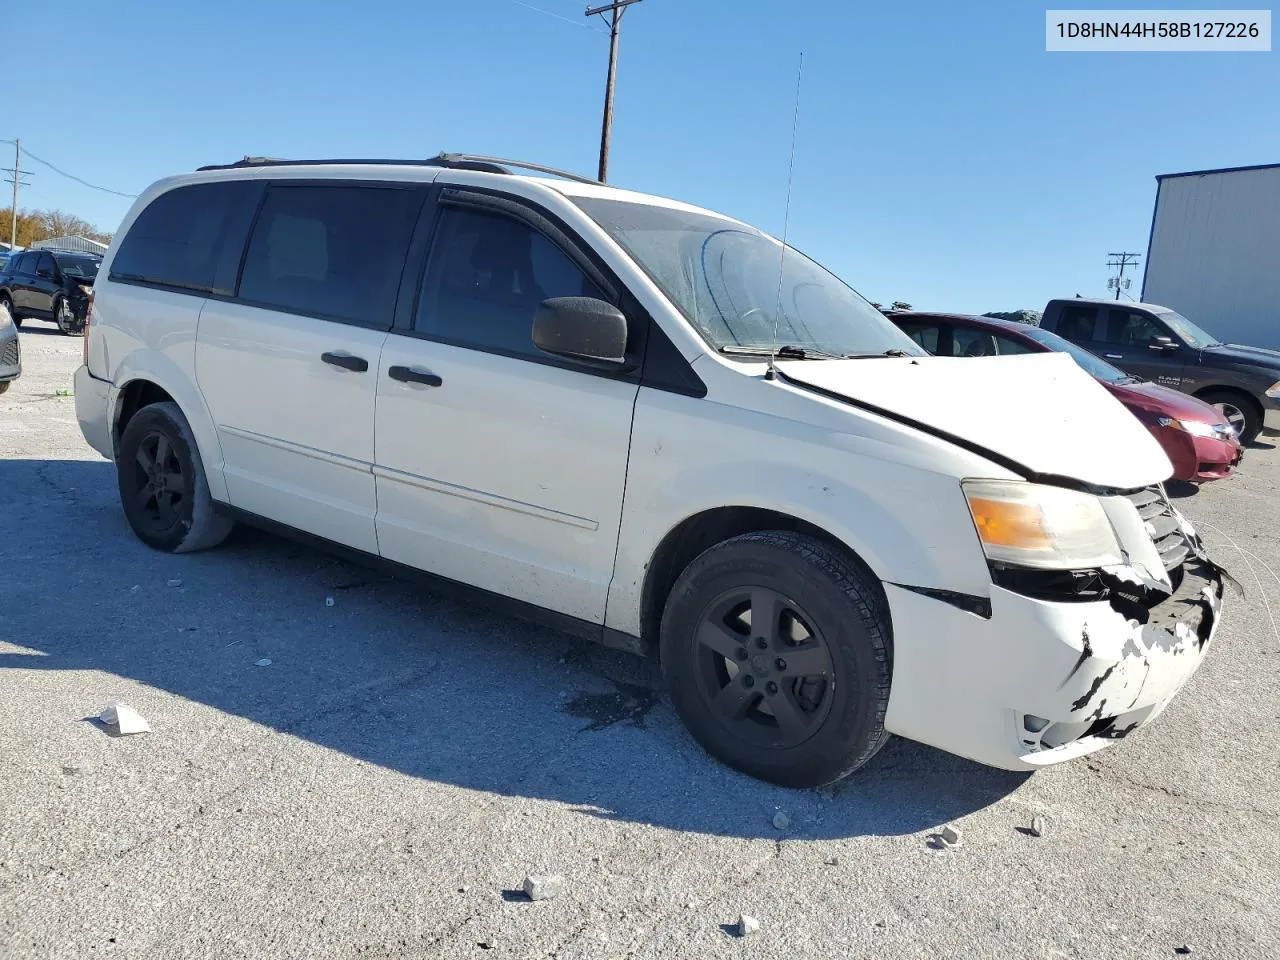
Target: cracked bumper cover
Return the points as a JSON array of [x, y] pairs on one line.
[[1042, 682]]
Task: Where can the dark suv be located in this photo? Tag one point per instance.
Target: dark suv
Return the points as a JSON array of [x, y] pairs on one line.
[[1155, 343], [49, 285]]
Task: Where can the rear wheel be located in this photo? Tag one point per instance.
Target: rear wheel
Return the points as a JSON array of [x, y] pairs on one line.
[[1239, 411], [776, 650], [162, 483]]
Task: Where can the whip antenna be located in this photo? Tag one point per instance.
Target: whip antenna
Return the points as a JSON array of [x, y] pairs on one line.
[[786, 223]]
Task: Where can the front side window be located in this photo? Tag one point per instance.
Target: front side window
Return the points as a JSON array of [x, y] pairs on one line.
[[180, 239], [1128, 328], [1007, 346], [45, 265], [1192, 335], [78, 268], [330, 251], [485, 278], [724, 278]]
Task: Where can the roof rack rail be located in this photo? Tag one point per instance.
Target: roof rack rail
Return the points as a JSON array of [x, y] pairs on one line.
[[471, 161], [455, 161]]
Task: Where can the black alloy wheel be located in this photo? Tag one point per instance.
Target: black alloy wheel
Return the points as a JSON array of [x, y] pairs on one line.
[[762, 669]]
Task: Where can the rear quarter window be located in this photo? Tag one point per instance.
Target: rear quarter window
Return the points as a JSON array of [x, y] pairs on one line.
[[189, 238]]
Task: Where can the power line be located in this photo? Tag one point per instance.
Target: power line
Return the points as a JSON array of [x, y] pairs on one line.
[[69, 176], [549, 13]]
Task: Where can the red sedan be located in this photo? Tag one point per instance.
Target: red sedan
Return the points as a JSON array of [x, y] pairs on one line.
[[1197, 438]]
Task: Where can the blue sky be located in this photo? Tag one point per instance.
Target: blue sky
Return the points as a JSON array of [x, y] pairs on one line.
[[943, 156]]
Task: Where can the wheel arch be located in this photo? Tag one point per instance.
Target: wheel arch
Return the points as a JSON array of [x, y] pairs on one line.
[[154, 378], [1231, 388], [703, 530]]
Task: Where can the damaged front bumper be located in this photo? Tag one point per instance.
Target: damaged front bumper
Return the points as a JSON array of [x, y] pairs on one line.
[[1039, 681]]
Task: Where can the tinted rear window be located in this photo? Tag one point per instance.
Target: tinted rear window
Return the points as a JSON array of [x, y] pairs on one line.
[[188, 238], [335, 252]]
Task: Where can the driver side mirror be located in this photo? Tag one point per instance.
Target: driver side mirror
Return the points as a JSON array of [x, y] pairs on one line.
[[1163, 344], [583, 329]]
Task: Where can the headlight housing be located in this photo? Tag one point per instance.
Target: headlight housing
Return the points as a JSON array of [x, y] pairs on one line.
[[1273, 391], [1043, 527], [1193, 427]]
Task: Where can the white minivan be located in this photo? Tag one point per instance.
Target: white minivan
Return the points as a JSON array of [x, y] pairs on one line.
[[654, 425]]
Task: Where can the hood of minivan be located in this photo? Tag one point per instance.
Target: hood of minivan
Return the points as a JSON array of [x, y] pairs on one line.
[[1254, 356], [1040, 411]]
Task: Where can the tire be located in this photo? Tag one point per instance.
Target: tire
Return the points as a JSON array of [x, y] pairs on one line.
[[66, 320], [7, 304], [180, 516], [1239, 409], [834, 693]]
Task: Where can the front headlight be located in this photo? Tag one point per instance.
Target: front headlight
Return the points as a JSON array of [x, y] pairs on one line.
[[1273, 391], [1049, 528], [1193, 427]]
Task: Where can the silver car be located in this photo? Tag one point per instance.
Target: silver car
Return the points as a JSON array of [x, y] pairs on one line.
[[10, 350]]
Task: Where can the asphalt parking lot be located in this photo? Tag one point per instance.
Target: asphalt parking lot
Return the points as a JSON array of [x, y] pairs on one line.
[[382, 785]]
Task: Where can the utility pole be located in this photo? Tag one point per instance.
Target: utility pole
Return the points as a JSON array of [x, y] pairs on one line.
[[1121, 260], [615, 11], [17, 178]]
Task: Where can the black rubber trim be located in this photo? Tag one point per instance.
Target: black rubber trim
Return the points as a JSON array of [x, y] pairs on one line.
[[666, 369], [969, 603]]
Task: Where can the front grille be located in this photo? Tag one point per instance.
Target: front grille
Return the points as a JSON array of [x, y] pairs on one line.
[[1162, 526], [9, 357]]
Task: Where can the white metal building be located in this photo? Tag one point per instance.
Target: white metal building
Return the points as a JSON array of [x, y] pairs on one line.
[[1214, 252], [81, 244]]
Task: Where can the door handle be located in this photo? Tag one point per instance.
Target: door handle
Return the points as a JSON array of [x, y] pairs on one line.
[[414, 375], [1114, 356], [346, 361]]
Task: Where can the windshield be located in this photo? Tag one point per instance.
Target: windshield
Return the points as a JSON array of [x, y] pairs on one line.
[[81, 268], [723, 276], [1092, 365], [1191, 335]]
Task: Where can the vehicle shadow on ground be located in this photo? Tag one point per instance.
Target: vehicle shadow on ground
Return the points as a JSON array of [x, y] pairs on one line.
[[40, 328], [395, 674]]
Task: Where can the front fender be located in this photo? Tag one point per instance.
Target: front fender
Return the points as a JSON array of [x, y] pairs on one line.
[[909, 525]]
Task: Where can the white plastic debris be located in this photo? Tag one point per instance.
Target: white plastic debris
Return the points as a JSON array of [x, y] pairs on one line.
[[781, 821], [543, 888], [135, 588], [124, 719], [951, 835], [264, 662], [328, 601], [747, 925], [174, 582], [1038, 826]]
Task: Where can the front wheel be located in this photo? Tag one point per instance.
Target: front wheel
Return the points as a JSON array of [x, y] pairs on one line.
[[776, 649], [162, 483], [66, 319], [1238, 410]]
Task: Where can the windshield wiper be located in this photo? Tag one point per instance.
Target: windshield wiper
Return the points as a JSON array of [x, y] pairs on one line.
[[788, 351], [895, 352]]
